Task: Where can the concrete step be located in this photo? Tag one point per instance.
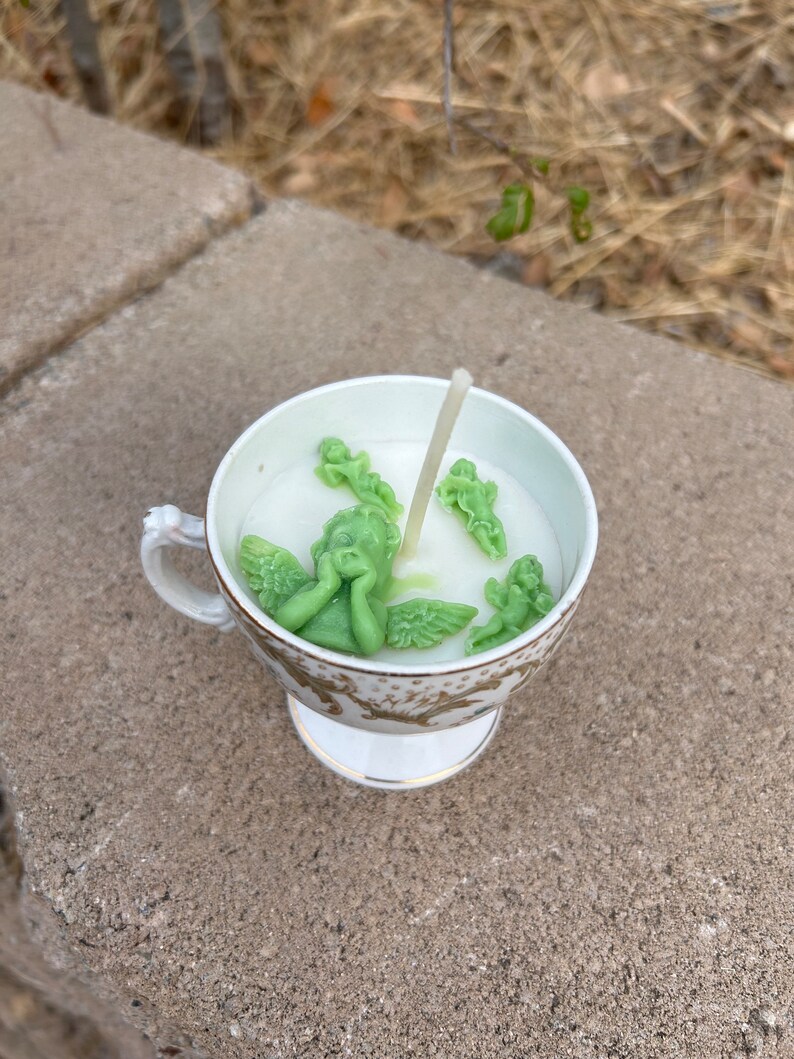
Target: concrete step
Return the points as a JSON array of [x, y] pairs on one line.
[[91, 215], [612, 876]]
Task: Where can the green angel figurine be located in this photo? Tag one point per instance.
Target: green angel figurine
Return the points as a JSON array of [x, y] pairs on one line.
[[472, 500], [520, 600], [339, 466], [342, 607]]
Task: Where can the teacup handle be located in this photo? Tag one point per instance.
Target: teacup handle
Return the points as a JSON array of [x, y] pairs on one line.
[[163, 528]]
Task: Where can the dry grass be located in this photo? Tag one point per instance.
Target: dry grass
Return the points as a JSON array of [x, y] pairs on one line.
[[678, 116]]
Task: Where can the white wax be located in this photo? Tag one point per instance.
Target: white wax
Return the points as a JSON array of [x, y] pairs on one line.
[[291, 512]]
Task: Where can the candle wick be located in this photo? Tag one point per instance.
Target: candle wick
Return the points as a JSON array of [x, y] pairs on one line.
[[445, 423]]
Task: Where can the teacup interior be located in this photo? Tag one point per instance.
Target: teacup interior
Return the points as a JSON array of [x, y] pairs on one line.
[[402, 408]]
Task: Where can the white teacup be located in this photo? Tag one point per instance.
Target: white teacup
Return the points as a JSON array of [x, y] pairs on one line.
[[383, 725]]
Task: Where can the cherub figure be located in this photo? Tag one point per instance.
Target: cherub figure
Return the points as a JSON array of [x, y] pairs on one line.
[[343, 606], [339, 466], [472, 500], [521, 600]]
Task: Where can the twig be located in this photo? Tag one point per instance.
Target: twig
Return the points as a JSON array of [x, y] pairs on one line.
[[527, 165], [191, 35], [524, 162], [449, 59], [82, 32]]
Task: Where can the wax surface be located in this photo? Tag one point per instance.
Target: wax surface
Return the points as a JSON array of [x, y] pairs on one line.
[[292, 509]]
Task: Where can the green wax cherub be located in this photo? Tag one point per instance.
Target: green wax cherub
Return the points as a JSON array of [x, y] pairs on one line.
[[520, 600], [462, 493], [342, 607], [339, 466]]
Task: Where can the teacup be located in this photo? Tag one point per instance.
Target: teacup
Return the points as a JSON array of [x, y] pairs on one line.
[[383, 725]]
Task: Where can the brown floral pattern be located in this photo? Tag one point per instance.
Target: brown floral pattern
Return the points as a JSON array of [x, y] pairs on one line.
[[389, 701]]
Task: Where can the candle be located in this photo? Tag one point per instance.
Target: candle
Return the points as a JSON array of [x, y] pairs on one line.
[[448, 563]]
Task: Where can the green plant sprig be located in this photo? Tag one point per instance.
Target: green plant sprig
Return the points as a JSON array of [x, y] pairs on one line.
[[516, 211], [517, 208]]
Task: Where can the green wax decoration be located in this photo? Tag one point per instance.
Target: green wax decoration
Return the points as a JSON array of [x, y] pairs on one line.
[[273, 573], [462, 493], [339, 466], [425, 622], [332, 627], [342, 607], [521, 600]]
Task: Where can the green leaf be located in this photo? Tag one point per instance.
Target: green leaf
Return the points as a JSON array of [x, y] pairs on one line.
[[25, 3], [579, 199], [515, 215], [542, 165]]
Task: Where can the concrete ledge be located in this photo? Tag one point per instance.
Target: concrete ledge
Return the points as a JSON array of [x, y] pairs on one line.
[[92, 214], [50, 1004], [612, 878]]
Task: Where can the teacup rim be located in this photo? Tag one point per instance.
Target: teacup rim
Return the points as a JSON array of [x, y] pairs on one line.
[[395, 669]]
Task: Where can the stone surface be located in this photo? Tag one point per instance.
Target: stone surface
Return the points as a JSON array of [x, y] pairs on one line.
[[92, 214], [51, 1007], [612, 878]]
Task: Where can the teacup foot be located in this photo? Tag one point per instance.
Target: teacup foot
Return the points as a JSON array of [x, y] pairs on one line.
[[392, 762]]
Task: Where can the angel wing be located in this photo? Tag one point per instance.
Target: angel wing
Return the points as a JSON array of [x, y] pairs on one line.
[[272, 572], [425, 622]]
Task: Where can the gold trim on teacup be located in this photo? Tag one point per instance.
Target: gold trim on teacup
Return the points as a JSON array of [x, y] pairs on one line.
[[454, 665]]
